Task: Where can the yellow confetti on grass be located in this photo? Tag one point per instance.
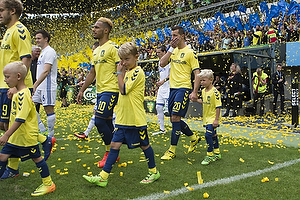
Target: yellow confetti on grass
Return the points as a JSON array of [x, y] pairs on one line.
[[166, 192], [205, 195], [265, 179], [242, 160], [270, 162]]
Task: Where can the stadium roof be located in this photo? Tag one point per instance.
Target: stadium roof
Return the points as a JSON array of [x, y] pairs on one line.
[[69, 6]]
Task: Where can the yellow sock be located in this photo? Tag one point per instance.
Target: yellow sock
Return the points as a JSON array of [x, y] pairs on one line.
[[172, 148], [104, 174], [13, 163], [193, 137], [210, 153], [153, 170], [107, 147], [42, 138], [47, 181], [217, 151]]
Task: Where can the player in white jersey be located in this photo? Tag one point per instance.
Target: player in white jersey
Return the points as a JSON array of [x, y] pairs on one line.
[[44, 88], [163, 90]]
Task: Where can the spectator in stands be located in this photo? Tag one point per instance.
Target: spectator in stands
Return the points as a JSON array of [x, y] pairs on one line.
[[226, 41], [292, 34], [259, 85], [272, 34], [233, 90], [257, 35]]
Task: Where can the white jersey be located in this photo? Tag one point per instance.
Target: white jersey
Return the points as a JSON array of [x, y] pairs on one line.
[[164, 72], [48, 55]]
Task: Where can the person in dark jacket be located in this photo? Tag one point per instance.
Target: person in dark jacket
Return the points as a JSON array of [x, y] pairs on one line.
[[234, 89], [278, 81]]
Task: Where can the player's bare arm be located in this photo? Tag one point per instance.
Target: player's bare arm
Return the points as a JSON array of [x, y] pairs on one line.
[[89, 79]]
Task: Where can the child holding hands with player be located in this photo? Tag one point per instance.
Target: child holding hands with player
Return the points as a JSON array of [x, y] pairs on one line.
[[131, 124], [212, 105], [21, 139]]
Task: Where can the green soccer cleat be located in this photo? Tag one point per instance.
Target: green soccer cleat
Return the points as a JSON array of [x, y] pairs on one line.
[[169, 155], [193, 144], [217, 157], [97, 180], [43, 189], [207, 160], [150, 178]]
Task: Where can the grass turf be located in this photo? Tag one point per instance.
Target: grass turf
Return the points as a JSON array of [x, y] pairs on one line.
[[73, 158]]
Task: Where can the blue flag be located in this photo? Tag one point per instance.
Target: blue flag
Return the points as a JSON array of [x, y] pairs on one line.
[[223, 28], [242, 9], [138, 42], [152, 39], [209, 26], [254, 20], [292, 8], [201, 38], [282, 6], [229, 22], [274, 12], [264, 7], [218, 14], [160, 35], [247, 27], [239, 25], [167, 31]]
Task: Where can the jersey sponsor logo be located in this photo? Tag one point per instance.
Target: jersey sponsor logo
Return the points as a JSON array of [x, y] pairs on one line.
[[183, 62], [6, 47], [100, 61]]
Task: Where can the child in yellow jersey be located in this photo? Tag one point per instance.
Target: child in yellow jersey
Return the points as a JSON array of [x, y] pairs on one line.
[[211, 101], [131, 124], [21, 138]]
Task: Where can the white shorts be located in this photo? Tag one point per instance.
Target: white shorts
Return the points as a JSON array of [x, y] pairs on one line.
[[45, 97], [162, 97]]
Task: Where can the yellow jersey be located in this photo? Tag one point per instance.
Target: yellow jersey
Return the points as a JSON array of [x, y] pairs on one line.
[[183, 63], [16, 44], [211, 101], [105, 60], [130, 112], [23, 110]]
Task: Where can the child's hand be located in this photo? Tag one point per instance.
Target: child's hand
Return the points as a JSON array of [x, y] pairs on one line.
[[216, 123], [200, 101], [3, 140], [121, 66]]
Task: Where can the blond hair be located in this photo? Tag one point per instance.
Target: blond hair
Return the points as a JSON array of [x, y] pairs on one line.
[[106, 21], [207, 73], [17, 67], [127, 49]]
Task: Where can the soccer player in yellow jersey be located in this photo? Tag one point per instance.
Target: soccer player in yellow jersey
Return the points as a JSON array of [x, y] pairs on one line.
[[211, 100], [15, 46], [184, 62], [21, 139], [131, 124], [104, 67]]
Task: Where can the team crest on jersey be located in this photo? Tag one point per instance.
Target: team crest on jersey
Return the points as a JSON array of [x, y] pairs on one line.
[[208, 98], [102, 53], [182, 55], [14, 105]]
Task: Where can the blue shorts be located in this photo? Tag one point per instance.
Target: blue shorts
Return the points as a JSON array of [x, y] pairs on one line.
[[5, 106], [179, 101], [106, 102], [210, 130], [132, 137], [24, 153]]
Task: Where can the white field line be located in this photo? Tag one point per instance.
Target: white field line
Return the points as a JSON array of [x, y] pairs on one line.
[[219, 181]]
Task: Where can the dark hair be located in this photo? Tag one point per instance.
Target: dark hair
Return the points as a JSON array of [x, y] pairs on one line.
[[279, 64], [14, 4], [163, 48], [179, 28], [44, 33]]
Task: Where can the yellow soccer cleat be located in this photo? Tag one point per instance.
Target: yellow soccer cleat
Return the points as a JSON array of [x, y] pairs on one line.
[[43, 189], [169, 155]]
